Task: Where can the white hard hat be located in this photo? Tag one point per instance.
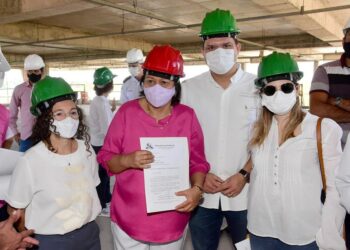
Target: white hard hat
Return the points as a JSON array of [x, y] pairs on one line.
[[134, 55], [346, 27], [33, 62]]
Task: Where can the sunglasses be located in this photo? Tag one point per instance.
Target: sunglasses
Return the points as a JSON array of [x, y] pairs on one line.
[[286, 88]]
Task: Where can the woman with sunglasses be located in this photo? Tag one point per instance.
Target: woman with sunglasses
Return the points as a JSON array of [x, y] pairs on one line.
[[157, 114], [285, 210], [54, 184]]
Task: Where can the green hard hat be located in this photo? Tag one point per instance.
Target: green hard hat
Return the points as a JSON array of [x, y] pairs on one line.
[[277, 66], [218, 22], [103, 76], [48, 91]]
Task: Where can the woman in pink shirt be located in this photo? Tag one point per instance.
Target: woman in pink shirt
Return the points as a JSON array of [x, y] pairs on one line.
[[157, 114]]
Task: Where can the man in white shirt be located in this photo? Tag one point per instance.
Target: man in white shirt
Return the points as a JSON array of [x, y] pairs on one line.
[[131, 85], [226, 103]]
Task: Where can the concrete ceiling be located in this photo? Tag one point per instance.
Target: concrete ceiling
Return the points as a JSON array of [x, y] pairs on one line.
[[84, 33]]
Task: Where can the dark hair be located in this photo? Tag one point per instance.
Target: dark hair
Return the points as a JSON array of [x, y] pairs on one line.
[[42, 132], [106, 88], [177, 97]]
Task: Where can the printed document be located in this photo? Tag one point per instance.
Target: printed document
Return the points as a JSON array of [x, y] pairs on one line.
[[8, 159], [168, 174]]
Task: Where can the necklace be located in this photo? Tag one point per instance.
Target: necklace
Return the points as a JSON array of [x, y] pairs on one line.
[[66, 157], [70, 152], [159, 116]]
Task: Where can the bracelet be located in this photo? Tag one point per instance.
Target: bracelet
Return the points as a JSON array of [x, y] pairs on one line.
[[199, 187]]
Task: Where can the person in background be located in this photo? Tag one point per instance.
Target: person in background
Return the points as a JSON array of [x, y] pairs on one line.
[[20, 102], [156, 114], [285, 209], [226, 103], [131, 85], [54, 184], [330, 88], [99, 119]]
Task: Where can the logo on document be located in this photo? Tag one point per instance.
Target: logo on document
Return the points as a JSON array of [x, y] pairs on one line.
[[149, 146]]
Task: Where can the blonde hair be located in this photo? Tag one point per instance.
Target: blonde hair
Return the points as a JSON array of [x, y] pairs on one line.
[[263, 124]]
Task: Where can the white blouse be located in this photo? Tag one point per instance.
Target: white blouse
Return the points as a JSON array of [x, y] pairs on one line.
[[285, 187], [57, 191]]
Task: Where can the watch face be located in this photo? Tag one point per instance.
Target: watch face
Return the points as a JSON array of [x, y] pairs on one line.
[[243, 172], [338, 100]]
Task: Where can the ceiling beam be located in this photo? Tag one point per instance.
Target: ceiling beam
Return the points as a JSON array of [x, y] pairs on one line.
[[24, 10], [280, 42], [136, 10], [312, 19], [29, 32], [329, 28], [123, 32]]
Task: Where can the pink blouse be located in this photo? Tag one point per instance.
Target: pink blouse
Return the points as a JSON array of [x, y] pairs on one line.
[[4, 123], [128, 206]]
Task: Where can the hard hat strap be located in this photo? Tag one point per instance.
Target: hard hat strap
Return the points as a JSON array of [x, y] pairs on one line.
[[162, 75], [293, 77], [228, 34], [49, 103], [99, 86]]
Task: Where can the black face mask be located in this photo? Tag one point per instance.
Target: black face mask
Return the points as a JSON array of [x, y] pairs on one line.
[[34, 78], [346, 46]]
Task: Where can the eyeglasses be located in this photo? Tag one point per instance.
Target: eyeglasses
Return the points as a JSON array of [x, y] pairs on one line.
[[59, 115], [286, 88]]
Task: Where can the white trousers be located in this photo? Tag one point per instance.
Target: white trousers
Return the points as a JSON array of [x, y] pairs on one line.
[[122, 241]]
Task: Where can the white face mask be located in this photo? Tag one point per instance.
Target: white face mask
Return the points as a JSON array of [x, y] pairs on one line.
[[220, 61], [279, 103], [134, 71], [66, 128]]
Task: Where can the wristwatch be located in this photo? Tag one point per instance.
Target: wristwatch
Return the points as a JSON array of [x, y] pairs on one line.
[[337, 101], [244, 173]]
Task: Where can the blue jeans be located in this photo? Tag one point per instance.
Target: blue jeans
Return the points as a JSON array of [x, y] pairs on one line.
[[24, 145], [205, 227], [103, 189], [268, 243], [85, 238]]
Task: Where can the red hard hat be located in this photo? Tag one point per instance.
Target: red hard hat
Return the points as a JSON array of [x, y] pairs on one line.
[[165, 59]]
